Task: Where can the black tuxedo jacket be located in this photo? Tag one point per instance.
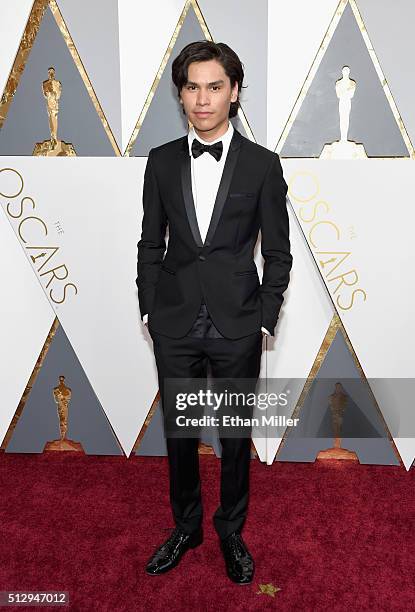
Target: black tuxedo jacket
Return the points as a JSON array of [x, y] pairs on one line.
[[221, 271]]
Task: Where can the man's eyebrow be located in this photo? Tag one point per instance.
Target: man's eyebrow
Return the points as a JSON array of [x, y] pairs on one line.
[[220, 82]]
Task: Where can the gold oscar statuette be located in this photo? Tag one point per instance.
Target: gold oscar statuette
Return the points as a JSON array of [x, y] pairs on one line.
[[205, 449], [62, 396], [343, 148], [52, 89], [337, 401]]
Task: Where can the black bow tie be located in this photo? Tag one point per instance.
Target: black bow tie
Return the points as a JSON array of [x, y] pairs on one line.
[[215, 149]]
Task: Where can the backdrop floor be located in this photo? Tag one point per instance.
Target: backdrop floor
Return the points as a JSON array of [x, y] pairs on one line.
[[331, 536]]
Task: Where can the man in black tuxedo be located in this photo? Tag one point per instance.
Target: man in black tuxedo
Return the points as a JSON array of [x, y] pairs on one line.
[[202, 299]]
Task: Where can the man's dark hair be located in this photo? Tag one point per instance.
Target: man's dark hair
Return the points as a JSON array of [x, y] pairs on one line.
[[204, 50]]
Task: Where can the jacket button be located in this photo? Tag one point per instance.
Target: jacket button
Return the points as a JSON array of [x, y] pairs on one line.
[[202, 257]]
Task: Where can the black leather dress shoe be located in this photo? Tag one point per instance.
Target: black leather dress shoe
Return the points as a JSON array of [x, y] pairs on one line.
[[171, 551], [239, 563]]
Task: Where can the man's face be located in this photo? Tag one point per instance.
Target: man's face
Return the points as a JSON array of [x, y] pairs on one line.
[[207, 95]]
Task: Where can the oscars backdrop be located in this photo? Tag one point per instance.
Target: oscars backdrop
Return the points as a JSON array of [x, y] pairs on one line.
[[86, 93]]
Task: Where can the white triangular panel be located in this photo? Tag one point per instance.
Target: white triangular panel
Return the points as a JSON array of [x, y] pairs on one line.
[[362, 208], [25, 317], [95, 220], [306, 315]]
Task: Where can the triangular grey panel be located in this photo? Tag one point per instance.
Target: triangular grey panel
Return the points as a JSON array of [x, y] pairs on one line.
[[39, 421], [27, 122], [394, 50], [362, 431], [94, 27], [164, 120], [371, 119], [154, 441], [220, 18]]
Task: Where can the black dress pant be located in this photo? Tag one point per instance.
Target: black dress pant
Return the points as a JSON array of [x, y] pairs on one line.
[[188, 357]]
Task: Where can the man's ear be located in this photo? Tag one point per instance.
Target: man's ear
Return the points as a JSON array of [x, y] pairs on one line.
[[234, 93]]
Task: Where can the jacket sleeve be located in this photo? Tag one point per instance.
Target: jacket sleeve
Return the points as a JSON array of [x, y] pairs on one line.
[[152, 245], [275, 243]]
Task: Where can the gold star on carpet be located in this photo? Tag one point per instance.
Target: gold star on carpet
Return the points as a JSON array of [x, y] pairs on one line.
[[268, 589]]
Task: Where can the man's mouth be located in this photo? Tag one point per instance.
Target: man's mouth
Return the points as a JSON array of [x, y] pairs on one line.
[[202, 113]]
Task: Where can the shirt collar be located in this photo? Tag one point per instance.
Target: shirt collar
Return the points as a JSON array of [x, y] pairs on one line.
[[225, 138]]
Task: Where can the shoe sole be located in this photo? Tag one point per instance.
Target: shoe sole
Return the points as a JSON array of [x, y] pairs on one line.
[[241, 583]]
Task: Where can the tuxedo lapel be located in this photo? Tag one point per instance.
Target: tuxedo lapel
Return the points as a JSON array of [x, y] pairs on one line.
[[186, 172], [223, 189]]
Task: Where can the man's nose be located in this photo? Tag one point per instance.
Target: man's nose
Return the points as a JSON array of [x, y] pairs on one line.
[[202, 97]]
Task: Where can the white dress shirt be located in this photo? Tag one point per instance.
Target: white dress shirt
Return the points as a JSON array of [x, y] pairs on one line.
[[206, 175]]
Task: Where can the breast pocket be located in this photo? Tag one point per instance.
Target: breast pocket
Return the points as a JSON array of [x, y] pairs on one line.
[[241, 195]]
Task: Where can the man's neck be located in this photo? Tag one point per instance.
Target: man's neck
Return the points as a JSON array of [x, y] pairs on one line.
[[210, 135]]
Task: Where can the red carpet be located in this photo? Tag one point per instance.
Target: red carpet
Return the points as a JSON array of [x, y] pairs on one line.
[[334, 536]]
